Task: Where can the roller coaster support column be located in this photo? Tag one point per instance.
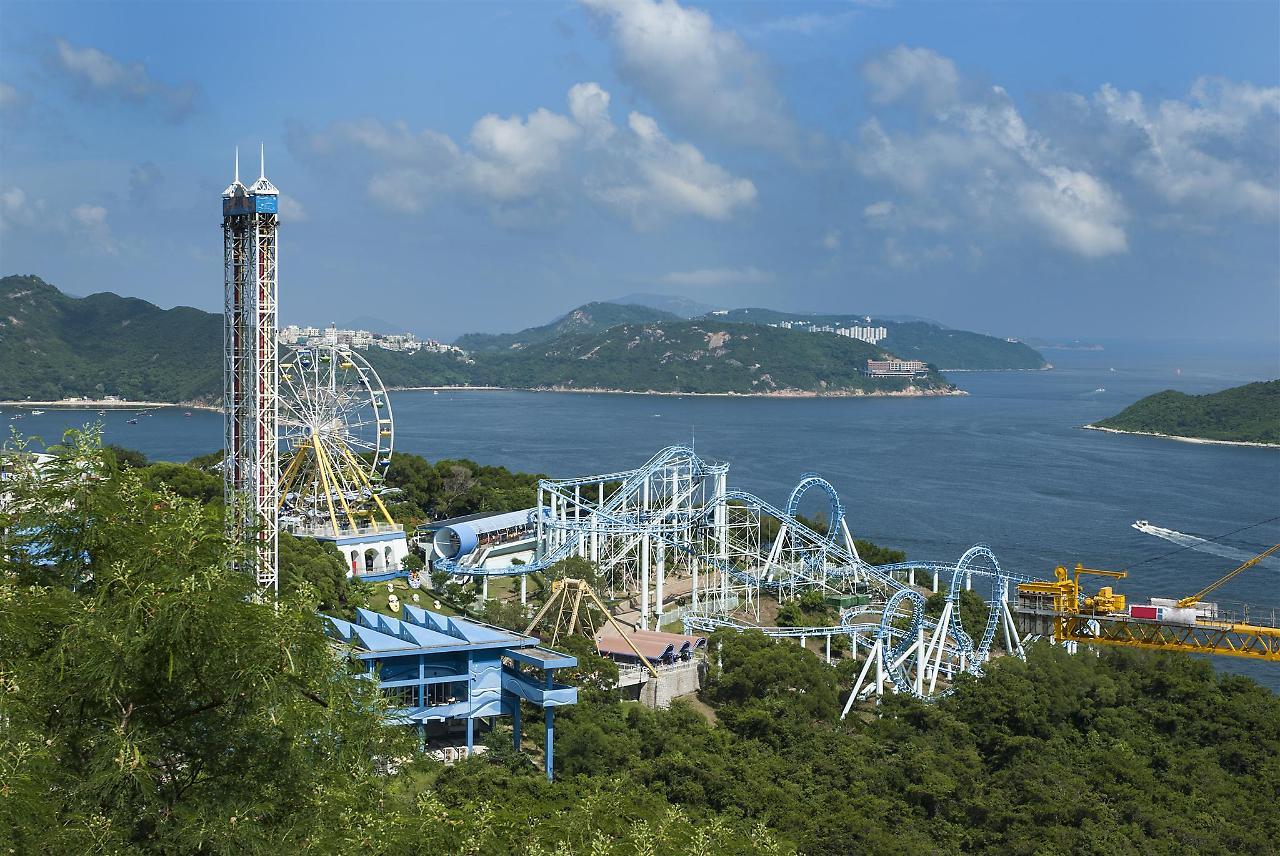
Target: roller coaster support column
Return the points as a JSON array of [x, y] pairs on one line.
[[872, 655], [662, 572], [828, 649], [644, 554], [595, 529], [524, 594], [538, 549], [551, 735]]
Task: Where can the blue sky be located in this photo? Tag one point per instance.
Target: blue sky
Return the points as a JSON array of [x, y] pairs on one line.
[[1050, 169]]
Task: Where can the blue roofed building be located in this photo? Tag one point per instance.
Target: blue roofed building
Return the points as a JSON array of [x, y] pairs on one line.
[[443, 673]]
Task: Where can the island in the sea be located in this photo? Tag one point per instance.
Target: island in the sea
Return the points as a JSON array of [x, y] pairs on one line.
[[1248, 414], [55, 347]]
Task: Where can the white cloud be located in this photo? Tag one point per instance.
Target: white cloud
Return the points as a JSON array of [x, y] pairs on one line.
[[98, 73], [1202, 151], [660, 178], [719, 276], [977, 166], [589, 106], [878, 211], [703, 76], [9, 96], [831, 240], [908, 71], [292, 210], [538, 162], [510, 156], [91, 222]]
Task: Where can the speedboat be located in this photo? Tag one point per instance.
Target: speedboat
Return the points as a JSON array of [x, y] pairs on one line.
[[187, 414], [1141, 524], [36, 412], [1101, 389]]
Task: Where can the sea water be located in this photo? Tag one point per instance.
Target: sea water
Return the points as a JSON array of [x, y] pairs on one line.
[[1006, 465]]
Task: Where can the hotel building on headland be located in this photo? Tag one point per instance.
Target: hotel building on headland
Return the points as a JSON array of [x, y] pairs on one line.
[[896, 368]]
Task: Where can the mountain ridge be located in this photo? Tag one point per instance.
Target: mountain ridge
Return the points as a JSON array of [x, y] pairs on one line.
[[53, 346]]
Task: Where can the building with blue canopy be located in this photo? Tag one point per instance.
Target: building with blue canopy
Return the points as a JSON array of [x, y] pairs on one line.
[[442, 673]]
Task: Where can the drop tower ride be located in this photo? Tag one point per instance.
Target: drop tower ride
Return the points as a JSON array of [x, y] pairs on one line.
[[250, 372]]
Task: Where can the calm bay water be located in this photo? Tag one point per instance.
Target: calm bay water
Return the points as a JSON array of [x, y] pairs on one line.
[[1006, 465]]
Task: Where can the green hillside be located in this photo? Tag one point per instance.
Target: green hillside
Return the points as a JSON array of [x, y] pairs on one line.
[[692, 356], [1245, 414], [958, 349], [915, 340], [55, 346], [590, 318]]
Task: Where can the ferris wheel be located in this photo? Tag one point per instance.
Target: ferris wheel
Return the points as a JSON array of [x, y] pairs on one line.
[[336, 436]]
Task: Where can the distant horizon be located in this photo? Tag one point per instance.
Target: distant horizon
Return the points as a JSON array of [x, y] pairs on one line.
[[1064, 337]]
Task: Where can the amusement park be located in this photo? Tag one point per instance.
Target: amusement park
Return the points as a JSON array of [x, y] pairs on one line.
[[672, 550], [639, 428]]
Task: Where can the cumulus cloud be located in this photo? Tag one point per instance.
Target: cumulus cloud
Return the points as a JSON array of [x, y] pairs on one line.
[[1216, 148], [291, 210], [90, 221], [539, 162], [704, 77], [719, 276], [912, 71], [970, 165], [511, 156], [98, 74], [31, 215], [976, 165], [655, 177]]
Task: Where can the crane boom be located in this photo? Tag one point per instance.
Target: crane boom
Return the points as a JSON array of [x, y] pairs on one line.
[[1218, 583]]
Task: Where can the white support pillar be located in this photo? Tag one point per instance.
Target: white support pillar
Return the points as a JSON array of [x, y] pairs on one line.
[[662, 572], [524, 589], [484, 588], [920, 660], [539, 550], [828, 649], [644, 554]]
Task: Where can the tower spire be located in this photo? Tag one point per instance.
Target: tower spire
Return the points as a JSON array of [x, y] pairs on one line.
[[262, 160], [237, 165]]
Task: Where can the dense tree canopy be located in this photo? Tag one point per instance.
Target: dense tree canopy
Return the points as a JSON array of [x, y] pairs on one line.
[[150, 702]]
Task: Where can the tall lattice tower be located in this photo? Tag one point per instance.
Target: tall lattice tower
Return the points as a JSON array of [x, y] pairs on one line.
[[250, 372]]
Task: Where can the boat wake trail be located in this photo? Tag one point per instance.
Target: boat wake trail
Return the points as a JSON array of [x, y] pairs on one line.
[[1202, 545]]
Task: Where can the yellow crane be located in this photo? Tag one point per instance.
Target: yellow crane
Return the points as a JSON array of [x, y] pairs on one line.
[[1189, 625], [1226, 578]]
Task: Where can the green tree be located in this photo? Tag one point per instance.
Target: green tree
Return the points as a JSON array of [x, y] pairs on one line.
[[151, 701]]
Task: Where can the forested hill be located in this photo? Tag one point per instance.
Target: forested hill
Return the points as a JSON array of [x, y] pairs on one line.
[[1243, 414], [54, 346], [590, 318], [933, 343], [672, 356]]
